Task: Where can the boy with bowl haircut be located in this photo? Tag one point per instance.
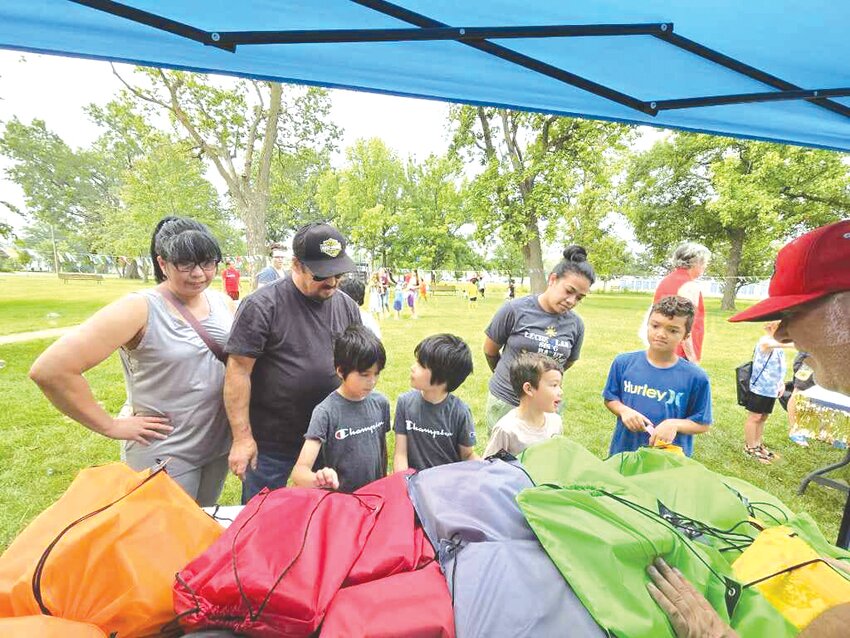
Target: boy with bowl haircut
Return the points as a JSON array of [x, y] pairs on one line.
[[657, 396], [432, 426], [351, 424], [536, 379]]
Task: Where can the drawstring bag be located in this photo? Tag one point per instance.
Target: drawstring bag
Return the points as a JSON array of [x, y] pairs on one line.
[[106, 552], [791, 575], [409, 605], [397, 543], [602, 540], [277, 567], [47, 627]]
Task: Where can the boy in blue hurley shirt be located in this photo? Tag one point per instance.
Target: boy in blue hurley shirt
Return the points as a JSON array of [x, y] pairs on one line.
[[658, 397], [432, 426], [350, 426]]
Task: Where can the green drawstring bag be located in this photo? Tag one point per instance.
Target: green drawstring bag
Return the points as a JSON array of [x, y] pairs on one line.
[[560, 461], [602, 538]]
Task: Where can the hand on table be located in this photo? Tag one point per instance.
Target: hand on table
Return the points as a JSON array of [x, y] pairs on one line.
[[664, 432], [327, 478]]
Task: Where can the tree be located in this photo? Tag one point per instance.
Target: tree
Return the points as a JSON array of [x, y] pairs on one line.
[[63, 188], [237, 128], [365, 196], [534, 166], [742, 199], [294, 190]]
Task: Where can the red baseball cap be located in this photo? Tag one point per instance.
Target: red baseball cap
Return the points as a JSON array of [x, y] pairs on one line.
[[810, 267]]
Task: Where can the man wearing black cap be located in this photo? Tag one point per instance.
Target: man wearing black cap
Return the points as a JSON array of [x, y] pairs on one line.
[[281, 358]]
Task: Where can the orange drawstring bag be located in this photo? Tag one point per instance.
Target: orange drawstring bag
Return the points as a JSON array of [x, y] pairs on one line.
[[106, 552], [47, 627]]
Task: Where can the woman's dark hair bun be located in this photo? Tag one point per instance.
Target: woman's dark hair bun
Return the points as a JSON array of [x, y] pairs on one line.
[[575, 253]]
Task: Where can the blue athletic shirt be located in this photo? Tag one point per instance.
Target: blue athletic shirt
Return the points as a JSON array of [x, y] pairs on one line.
[[681, 391]]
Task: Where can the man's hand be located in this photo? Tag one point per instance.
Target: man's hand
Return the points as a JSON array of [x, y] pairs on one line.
[[664, 432], [690, 614], [634, 420], [327, 479], [243, 453], [141, 429]]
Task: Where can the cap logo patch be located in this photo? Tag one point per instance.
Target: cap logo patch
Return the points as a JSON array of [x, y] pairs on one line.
[[331, 247], [846, 235]]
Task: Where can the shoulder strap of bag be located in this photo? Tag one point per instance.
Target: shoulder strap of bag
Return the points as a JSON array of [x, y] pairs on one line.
[[764, 367], [212, 344]]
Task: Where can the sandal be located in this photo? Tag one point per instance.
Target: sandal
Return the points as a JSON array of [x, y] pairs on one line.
[[757, 454], [768, 453]]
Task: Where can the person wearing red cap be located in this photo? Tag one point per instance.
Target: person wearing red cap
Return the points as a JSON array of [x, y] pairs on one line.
[[809, 294]]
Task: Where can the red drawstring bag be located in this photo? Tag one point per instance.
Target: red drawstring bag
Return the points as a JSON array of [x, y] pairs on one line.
[[397, 543], [409, 605], [276, 568]]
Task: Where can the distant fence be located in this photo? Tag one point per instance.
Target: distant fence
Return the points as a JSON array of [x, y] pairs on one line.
[[710, 287]]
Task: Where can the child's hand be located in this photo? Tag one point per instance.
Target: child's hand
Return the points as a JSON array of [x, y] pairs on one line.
[[634, 420], [327, 479], [664, 432]]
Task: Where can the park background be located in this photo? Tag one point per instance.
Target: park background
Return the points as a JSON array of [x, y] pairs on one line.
[[502, 193]]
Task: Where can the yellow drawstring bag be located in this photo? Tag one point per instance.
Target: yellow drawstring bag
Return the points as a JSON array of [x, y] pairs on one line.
[[106, 552], [790, 574]]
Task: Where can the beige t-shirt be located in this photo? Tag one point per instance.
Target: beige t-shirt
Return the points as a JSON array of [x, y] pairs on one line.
[[513, 435]]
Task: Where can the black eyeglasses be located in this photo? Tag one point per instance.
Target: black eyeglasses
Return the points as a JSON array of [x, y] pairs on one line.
[[318, 279], [189, 266]]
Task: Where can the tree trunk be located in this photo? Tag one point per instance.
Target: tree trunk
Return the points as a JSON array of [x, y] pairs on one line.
[[253, 215], [132, 270], [55, 254], [730, 281], [532, 255]]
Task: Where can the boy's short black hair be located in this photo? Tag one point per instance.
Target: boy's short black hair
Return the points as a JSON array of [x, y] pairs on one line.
[[358, 349], [447, 357], [528, 367], [675, 306], [354, 288]]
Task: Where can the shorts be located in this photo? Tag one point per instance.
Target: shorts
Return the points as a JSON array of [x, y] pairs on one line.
[[759, 404], [804, 378], [473, 298], [397, 305], [233, 294]]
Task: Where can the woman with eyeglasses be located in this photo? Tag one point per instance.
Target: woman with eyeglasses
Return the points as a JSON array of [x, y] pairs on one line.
[[174, 409]]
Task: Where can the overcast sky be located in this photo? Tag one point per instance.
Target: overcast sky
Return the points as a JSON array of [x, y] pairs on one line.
[[56, 89]]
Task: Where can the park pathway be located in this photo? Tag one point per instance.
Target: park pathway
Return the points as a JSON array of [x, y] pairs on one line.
[[18, 337]]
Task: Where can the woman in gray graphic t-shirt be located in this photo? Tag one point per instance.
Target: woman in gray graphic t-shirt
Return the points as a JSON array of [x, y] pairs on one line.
[[543, 323], [174, 406]]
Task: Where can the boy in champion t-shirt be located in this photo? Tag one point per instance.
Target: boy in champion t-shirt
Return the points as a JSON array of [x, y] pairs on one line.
[[432, 426], [657, 396], [350, 426]]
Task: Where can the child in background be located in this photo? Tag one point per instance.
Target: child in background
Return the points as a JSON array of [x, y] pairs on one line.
[[432, 426], [398, 301], [354, 288], [767, 382], [350, 426], [536, 379], [657, 396]]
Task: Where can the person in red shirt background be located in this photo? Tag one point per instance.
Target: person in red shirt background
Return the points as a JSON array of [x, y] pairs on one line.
[[689, 263], [230, 277]]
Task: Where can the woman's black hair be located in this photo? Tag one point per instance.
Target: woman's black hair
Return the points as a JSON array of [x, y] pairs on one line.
[[357, 350], [575, 261], [182, 240]]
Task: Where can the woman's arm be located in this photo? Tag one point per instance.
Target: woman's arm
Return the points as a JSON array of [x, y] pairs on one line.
[[58, 371], [493, 352]]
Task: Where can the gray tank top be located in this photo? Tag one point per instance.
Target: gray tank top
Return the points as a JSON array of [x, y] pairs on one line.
[[173, 373]]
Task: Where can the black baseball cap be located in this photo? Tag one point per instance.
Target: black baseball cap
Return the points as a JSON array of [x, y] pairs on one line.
[[321, 248]]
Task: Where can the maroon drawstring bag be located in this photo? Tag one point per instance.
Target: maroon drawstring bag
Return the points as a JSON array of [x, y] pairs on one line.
[[409, 605], [397, 543], [275, 570]]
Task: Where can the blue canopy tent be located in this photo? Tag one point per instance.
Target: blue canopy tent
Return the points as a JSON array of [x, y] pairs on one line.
[[762, 69]]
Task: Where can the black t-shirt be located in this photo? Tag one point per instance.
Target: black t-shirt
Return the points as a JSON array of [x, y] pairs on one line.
[[291, 337]]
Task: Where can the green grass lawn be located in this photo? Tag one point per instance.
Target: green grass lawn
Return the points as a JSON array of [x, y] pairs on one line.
[[42, 451]]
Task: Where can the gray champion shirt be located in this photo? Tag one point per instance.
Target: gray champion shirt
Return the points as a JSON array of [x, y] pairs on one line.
[[521, 325], [173, 373], [353, 436], [433, 431]]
